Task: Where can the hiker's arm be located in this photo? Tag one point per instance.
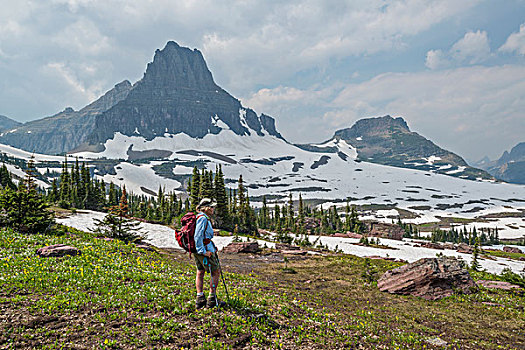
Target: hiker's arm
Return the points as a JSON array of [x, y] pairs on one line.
[[199, 235]]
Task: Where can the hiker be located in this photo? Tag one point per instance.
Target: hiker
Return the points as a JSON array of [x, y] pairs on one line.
[[206, 257]]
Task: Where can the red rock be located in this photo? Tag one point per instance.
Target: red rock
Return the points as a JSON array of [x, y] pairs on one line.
[[353, 235], [339, 234], [241, 247], [512, 250], [431, 245], [465, 248], [57, 250], [384, 230], [497, 285], [429, 278]]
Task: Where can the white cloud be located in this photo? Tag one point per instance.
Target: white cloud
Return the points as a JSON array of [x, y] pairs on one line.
[[474, 110], [61, 72], [436, 59], [515, 42], [473, 48], [83, 37]]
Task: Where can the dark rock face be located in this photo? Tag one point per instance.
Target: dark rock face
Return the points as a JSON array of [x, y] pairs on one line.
[[57, 250], [66, 130], [7, 123], [429, 278], [389, 141], [384, 230], [178, 95], [241, 247]]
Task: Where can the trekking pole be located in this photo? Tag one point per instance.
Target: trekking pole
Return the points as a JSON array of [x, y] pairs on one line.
[[222, 275]]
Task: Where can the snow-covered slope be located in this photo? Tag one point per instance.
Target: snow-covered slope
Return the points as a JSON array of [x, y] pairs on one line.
[[163, 237], [273, 167]]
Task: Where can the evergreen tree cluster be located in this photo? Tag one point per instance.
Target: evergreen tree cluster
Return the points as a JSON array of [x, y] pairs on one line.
[[23, 207], [284, 220], [487, 236], [77, 189], [165, 208], [117, 223], [233, 211], [411, 231]]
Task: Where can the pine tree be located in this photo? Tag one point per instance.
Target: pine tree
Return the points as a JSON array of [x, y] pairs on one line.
[[195, 188], [263, 215], [25, 209], [475, 254], [6, 179], [206, 187], [290, 219], [117, 224]]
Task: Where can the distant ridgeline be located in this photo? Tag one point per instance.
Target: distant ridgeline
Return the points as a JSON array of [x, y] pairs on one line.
[[178, 96], [509, 167], [389, 141]]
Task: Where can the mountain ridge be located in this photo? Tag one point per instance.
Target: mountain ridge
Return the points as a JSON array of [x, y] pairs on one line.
[[7, 123], [177, 94], [65, 130]]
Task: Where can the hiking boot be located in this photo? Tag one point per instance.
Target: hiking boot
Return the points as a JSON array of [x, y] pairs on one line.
[[213, 302], [200, 302]]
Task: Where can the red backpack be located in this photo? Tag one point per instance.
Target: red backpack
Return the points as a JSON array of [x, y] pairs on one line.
[[186, 236]]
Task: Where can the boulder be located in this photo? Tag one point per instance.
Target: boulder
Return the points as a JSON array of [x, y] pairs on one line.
[[354, 235], [512, 250], [57, 250], [497, 285], [339, 234], [284, 246], [431, 245], [384, 230], [465, 248], [241, 247], [294, 252], [429, 278]]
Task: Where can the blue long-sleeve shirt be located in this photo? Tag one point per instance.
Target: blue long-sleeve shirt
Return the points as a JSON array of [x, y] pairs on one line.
[[202, 232]]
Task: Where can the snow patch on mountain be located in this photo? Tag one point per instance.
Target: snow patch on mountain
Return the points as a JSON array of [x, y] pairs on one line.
[[137, 177]]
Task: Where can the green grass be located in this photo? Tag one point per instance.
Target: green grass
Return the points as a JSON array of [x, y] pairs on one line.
[[118, 296]]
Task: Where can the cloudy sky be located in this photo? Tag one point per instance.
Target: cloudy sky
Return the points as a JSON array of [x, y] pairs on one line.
[[455, 70]]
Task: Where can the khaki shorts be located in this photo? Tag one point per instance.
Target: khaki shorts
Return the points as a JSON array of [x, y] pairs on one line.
[[204, 263]]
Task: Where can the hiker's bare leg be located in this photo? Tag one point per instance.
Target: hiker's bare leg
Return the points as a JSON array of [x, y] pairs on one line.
[[214, 280], [199, 281]]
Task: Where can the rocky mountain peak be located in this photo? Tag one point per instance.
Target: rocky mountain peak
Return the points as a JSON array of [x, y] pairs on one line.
[[177, 94], [389, 141], [7, 123], [180, 68], [377, 125]]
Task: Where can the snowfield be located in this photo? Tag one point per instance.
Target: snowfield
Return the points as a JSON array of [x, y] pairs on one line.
[[163, 237], [273, 167]]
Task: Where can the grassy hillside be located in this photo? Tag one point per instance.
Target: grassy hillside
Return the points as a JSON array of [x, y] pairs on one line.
[[119, 296]]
